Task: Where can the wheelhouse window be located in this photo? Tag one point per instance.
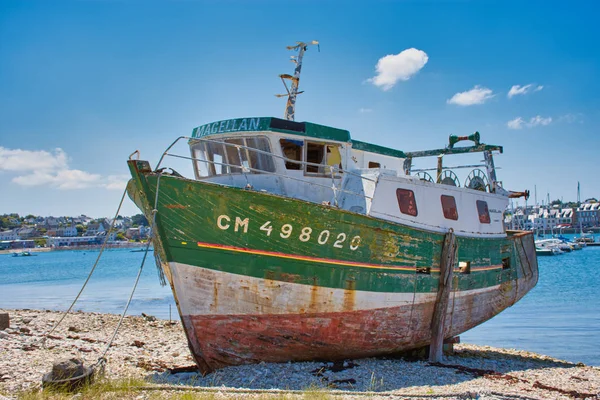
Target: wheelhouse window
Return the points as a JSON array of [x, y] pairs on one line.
[[327, 155], [292, 150], [311, 157], [449, 207], [483, 211], [406, 202], [232, 156], [315, 153], [258, 159]]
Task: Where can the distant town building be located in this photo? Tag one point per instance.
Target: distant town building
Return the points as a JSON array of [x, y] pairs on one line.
[[27, 232], [74, 241], [587, 215], [65, 231], [94, 228], [138, 233], [8, 235]]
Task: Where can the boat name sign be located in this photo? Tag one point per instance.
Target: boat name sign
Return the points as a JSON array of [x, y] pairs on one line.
[[232, 125]]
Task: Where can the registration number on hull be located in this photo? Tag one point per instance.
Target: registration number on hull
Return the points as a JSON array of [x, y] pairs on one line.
[[288, 231]]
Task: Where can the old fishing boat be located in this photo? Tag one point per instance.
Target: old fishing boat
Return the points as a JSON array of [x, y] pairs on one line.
[[294, 241]]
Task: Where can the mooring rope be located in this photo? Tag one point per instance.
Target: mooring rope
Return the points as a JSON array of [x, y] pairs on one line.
[[100, 364], [45, 336], [102, 359]]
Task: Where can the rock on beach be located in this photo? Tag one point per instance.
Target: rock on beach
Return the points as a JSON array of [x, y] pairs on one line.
[[147, 348]]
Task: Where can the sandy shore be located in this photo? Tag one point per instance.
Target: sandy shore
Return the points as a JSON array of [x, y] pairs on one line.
[[149, 348]]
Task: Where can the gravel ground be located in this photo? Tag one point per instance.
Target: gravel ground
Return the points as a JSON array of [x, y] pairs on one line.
[[146, 348]]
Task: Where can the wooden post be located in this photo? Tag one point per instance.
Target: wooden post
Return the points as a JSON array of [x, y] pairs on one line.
[[443, 295], [4, 321]]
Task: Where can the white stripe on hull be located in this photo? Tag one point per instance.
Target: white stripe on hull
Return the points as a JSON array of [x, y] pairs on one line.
[[203, 291]]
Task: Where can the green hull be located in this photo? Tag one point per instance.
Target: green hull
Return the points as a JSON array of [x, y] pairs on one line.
[[224, 236]]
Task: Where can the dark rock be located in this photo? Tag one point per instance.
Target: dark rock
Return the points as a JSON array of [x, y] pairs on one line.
[[149, 318], [67, 369], [138, 343], [74, 329], [24, 330], [4, 321], [69, 374]]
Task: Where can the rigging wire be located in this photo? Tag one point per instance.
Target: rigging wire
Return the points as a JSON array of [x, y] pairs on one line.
[[112, 225], [101, 362]]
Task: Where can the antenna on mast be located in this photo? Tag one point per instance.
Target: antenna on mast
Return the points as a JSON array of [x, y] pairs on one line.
[[290, 107]]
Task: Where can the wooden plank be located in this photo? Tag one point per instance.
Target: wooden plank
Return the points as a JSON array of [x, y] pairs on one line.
[[4, 321], [443, 296]]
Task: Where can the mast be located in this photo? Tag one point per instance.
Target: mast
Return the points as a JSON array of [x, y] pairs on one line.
[[290, 107]]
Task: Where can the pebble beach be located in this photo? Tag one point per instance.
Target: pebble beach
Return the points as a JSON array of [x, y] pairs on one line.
[[152, 349]]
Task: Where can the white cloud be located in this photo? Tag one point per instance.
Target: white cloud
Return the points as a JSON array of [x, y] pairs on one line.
[[571, 118], [365, 110], [477, 95], [116, 182], [516, 123], [43, 168], [398, 67], [62, 179], [523, 90], [520, 123], [539, 120], [27, 160]]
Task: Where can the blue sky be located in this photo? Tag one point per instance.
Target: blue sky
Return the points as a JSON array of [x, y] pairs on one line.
[[85, 83]]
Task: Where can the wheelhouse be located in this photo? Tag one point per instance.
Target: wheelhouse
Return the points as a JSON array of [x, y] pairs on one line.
[[324, 165]]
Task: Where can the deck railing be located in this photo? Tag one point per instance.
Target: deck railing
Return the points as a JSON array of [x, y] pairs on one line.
[[334, 171]]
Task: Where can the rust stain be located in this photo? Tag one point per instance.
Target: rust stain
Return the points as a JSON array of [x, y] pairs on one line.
[[292, 278], [215, 303], [349, 295], [313, 306], [175, 206]]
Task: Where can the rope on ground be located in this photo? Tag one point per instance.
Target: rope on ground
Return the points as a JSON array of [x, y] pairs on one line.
[[112, 225], [335, 392]]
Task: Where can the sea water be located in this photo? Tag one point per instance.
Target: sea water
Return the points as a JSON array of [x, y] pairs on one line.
[[560, 317], [51, 280]]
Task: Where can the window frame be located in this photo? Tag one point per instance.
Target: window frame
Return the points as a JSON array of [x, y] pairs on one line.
[[404, 202], [450, 211], [324, 169], [202, 157], [485, 212], [299, 164]]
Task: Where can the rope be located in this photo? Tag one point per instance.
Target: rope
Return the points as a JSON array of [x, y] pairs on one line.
[[101, 363], [45, 336], [331, 392]]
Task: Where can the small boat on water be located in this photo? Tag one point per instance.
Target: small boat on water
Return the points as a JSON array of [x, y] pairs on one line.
[[293, 241], [548, 251], [23, 254], [554, 243]]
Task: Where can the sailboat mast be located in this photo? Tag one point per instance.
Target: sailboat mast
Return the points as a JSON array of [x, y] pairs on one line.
[[292, 92]]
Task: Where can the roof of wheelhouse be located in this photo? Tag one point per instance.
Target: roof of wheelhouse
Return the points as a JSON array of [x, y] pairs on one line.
[[271, 124]]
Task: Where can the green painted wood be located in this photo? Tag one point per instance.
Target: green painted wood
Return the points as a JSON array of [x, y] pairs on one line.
[[373, 148], [189, 211]]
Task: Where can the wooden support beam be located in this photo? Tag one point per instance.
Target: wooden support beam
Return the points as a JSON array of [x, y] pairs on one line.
[[4, 321], [443, 296]]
